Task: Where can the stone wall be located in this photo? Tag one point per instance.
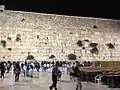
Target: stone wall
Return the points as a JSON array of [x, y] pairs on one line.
[[45, 34]]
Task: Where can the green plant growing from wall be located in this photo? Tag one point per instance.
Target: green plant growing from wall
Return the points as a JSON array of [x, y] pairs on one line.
[[79, 43], [72, 57], [52, 56], [94, 50], [93, 44], [3, 42], [18, 39], [111, 48], [30, 57]]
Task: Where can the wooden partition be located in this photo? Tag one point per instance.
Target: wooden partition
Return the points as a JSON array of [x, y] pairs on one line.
[[108, 63]]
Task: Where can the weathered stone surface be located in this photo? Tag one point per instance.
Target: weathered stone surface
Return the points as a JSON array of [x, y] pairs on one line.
[[58, 35]]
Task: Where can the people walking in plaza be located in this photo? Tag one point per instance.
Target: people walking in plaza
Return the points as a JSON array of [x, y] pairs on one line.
[[54, 77], [8, 66], [17, 70], [2, 69], [77, 74], [31, 71]]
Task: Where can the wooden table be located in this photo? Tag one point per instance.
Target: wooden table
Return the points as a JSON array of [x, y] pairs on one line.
[[113, 80], [88, 73]]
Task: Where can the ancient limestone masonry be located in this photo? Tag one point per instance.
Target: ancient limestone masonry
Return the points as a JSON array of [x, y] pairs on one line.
[[47, 34]]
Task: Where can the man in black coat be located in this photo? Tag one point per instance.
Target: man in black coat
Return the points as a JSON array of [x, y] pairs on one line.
[[54, 77], [2, 68], [78, 77], [17, 70]]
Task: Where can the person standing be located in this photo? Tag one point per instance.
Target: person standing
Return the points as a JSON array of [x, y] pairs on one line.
[[54, 77], [17, 70], [78, 77], [2, 68]]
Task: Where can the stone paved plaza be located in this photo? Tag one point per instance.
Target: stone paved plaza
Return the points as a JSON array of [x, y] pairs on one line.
[[43, 82]]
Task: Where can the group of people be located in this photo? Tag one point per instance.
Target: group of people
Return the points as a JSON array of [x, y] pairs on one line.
[[27, 68], [76, 74]]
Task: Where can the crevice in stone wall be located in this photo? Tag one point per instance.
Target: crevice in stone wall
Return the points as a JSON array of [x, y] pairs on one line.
[[18, 37], [79, 43], [28, 53], [37, 36], [62, 51], [110, 46], [23, 19], [95, 26], [3, 42], [86, 40], [83, 48], [47, 38], [70, 33], [9, 49], [9, 38], [45, 43]]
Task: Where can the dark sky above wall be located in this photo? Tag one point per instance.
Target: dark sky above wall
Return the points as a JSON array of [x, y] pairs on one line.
[[86, 8]]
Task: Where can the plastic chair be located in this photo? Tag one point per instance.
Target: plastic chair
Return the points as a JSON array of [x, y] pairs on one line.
[[98, 78]]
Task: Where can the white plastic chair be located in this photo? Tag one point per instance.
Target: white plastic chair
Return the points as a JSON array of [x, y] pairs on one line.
[[98, 78]]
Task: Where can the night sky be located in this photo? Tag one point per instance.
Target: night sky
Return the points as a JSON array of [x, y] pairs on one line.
[[84, 8]]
